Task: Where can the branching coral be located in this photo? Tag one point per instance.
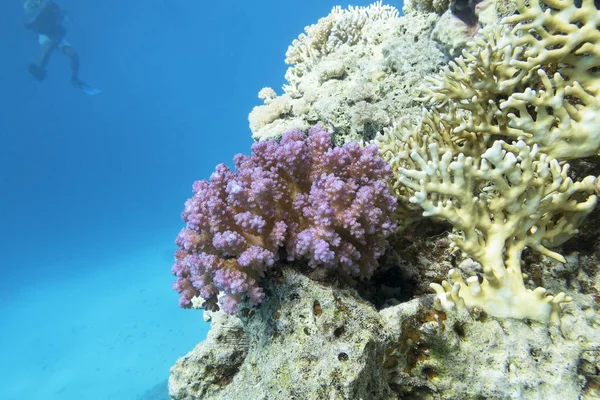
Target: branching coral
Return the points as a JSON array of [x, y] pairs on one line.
[[513, 197], [341, 26], [397, 142], [300, 199], [353, 71], [534, 80], [537, 80], [559, 33]]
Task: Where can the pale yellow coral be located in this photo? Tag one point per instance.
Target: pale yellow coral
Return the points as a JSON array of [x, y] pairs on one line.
[[273, 109], [549, 117], [534, 80], [398, 141], [535, 77], [267, 95], [559, 32], [513, 197]]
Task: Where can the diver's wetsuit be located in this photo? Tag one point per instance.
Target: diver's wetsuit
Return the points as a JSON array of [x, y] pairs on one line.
[[49, 22], [46, 19]]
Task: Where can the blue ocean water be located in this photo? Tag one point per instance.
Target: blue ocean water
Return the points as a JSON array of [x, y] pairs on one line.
[[92, 186]]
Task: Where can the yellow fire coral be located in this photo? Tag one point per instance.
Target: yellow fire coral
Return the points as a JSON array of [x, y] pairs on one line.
[[488, 155], [536, 81], [513, 197]]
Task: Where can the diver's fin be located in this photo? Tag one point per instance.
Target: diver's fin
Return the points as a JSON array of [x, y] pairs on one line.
[[85, 88], [92, 91]]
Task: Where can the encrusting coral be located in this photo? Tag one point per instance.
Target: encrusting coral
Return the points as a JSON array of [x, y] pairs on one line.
[[300, 199]]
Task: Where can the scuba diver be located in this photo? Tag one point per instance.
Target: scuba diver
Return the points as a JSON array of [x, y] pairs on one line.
[[47, 19]]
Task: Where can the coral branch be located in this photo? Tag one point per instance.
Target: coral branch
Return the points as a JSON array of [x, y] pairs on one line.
[[513, 198]]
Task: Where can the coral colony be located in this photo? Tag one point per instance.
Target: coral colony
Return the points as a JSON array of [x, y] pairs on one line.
[[502, 197], [301, 198], [488, 155]]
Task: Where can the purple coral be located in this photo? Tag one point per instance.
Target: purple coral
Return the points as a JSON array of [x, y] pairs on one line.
[[301, 198]]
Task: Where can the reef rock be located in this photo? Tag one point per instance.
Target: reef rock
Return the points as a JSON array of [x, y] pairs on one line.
[[306, 341], [316, 340]]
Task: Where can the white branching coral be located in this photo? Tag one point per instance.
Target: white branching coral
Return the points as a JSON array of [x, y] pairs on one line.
[[536, 77], [341, 26], [513, 197], [354, 72]]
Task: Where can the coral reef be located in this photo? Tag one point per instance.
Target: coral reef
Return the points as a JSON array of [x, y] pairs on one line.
[[341, 27], [448, 356], [327, 205], [214, 362], [352, 72], [483, 189]]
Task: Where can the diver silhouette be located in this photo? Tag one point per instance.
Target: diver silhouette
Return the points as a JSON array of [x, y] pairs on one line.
[[47, 19]]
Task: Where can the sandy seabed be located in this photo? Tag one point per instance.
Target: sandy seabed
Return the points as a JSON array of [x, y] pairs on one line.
[[100, 332]]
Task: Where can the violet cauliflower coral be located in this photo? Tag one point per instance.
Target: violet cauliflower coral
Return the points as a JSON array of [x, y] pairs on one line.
[[301, 199]]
